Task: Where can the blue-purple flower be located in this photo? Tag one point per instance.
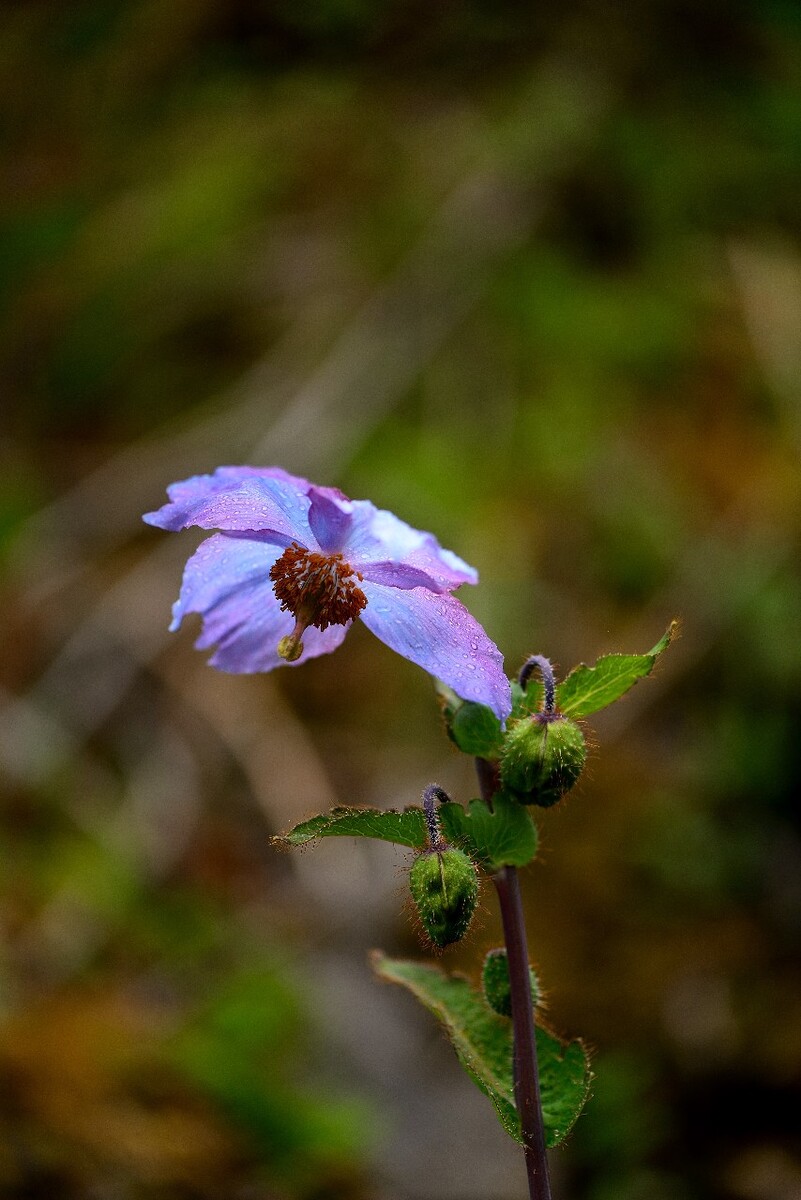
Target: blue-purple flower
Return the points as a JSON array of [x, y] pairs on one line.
[[294, 565]]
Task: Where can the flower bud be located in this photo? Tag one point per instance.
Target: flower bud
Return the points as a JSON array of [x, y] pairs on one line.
[[496, 987], [444, 889], [543, 757]]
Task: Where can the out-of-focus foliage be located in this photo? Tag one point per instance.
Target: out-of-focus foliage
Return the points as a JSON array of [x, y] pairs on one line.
[[531, 279], [172, 1067]]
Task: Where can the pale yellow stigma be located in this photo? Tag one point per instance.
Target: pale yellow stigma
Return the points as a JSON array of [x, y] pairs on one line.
[[290, 648]]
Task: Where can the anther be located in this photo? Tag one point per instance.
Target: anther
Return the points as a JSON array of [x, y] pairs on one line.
[[318, 589]]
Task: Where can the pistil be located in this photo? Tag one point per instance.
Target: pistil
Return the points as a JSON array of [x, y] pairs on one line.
[[290, 647]]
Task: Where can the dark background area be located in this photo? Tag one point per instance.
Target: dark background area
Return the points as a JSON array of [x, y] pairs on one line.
[[530, 278]]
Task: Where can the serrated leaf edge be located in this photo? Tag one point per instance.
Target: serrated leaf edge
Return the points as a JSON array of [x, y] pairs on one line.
[[653, 654], [555, 1135], [503, 1104], [341, 811]]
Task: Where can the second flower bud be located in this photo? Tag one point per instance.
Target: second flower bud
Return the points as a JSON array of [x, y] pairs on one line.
[[542, 758], [444, 887]]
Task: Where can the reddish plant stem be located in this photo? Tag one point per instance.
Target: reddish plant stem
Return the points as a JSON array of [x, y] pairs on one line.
[[526, 1075], [527, 1087]]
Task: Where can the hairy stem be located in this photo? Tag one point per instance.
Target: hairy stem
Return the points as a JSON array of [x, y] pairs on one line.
[[526, 1075], [538, 662], [431, 796]]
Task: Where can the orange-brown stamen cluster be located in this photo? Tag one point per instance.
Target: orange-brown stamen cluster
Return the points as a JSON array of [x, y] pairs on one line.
[[318, 589]]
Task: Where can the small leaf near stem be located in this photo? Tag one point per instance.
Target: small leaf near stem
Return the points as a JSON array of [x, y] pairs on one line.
[[505, 836], [538, 662]]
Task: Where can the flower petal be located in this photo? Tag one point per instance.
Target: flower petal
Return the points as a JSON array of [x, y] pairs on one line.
[[263, 503], [438, 633], [252, 645], [227, 580], [221, 567], [402, 575], [377, 540], [201, 486], [330, 517], [338, 522]]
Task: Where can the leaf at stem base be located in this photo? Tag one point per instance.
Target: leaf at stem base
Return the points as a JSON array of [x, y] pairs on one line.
[[483, 1043]]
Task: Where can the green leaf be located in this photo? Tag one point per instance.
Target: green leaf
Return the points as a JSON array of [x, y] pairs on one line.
[[664, 641], [483, 1043], [565, 1080], [473, 727], [499, 837], [481, 1039], [407, 828], [588, 689], [527, 701], [476, 730]]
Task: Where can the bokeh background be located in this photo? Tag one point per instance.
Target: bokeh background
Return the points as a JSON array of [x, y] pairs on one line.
[[530, 276]]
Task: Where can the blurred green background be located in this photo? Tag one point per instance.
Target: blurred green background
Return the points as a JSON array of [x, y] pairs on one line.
[[530, 277]]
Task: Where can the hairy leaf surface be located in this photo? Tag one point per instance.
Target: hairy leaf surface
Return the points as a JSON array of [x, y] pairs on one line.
[[504, 835], [483, 1043], [589, 689], [407, 828]]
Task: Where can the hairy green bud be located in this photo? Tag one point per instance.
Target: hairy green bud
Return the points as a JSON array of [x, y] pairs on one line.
[[444, 888], [496, 986], [543, 757]]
